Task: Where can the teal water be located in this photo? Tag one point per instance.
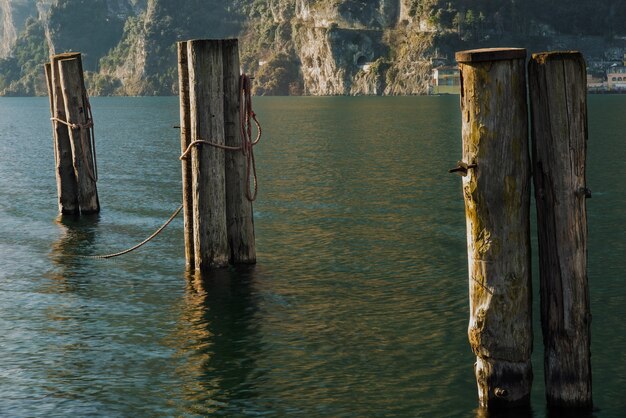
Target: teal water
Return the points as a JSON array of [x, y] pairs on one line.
[[357, 306]]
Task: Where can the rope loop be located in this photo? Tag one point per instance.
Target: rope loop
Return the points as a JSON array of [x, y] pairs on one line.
[[87, 139], [247, 116]]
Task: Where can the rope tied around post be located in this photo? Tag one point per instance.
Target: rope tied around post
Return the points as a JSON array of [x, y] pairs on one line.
[[86, 130], [247, 116]]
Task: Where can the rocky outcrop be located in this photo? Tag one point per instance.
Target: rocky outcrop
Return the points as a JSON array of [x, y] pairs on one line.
[[410, 68], [371, 80], [8, 31], [313, 47], [332, 57], [332, 42], [144, 61], [13, 16]]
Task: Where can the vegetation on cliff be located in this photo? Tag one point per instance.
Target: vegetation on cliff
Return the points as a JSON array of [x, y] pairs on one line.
[[295, 46], [21, 73]]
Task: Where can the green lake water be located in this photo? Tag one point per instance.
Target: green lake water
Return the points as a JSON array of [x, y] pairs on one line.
[[358, 306]]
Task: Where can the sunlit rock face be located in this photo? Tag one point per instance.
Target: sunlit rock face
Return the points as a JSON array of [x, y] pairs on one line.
[[332, 57], [312, 47], [336, 42], [13, 16]]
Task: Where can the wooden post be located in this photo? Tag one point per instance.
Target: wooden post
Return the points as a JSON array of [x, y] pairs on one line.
[[496, 188], [185, 140], [206, 89], [76, 111], [239, 215], [48, 73], [67, 187], [559, 114]]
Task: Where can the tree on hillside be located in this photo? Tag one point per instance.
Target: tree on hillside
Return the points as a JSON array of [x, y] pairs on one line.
[[84, 26]]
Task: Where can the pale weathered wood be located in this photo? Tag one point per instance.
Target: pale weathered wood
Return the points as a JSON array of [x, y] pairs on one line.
[[558, 97], [185, 140], [48, 73], [239, 215], [67, 187], [497, 196], [206, 93], [73, 88]]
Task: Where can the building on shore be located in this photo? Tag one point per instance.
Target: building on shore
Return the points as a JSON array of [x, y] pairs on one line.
[[445, 80], [607, 74], [616, 79], [596, 83]]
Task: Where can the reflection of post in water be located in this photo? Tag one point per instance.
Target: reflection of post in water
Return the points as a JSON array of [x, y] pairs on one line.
[[522, 412], [77, 239], [219, 340], [527, 412]]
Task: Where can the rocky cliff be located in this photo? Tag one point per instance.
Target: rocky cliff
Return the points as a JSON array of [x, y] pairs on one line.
[[340, 47], [314, 47]]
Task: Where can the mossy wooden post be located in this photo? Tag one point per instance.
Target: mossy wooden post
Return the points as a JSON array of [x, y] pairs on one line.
[[239, 215], [185, 140], [77, 113], [496, 188], [558, 97], [67, 187], [206, 96]]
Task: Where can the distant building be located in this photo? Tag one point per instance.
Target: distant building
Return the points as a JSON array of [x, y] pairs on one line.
[[596, 83], [446, 80], [616, 78]]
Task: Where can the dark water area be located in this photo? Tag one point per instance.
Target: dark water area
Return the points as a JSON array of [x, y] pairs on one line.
[[358, 305]]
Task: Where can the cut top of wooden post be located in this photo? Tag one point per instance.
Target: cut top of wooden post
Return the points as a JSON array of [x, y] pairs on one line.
[[66, 55], [490, 54], [544, 57]]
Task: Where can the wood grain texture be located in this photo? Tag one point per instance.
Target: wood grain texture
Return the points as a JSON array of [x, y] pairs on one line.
[[497, 196], [559, 135], [73, 88], [48, 74], [185, 140], [67, 186], [239, 215], [206, 92]]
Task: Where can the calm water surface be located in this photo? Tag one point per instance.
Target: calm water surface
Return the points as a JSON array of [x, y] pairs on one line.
[[357, 306]]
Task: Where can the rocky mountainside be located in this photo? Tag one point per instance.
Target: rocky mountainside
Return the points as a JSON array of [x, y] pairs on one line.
[[314, 47]]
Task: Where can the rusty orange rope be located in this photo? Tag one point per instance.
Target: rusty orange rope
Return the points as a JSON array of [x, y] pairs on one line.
[[247, 116]]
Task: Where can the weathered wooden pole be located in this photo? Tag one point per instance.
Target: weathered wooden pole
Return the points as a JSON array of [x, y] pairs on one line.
[[77, 113], [239, 215], [67, 187], [496, 188], [558, 98], [48, 73], [206, 90], [185, 140]]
